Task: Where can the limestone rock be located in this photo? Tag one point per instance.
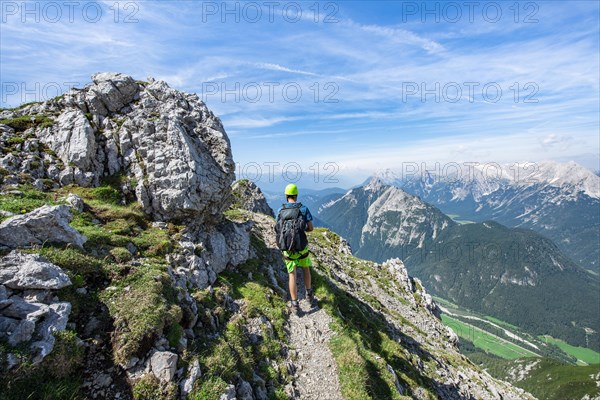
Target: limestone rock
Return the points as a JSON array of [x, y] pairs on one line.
[[31, 271], [206, 251], [44, 224], [194, 373], [250, 197], [260, 389], [75, 201], [55, 321], [22, 321], [174, 150], [164, 365], [111, 92], [72, 139]]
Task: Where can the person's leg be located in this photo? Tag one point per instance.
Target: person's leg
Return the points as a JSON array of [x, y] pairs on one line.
[[292, 284], [307, 277]]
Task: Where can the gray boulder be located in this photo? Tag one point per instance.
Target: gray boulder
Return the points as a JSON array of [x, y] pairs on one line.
[[55, 321], [164, 365], [44, 224], [22, 321], [31, 271], [27, 309], [75, 201]]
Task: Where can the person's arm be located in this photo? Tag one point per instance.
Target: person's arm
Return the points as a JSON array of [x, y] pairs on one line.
[[309, 226]]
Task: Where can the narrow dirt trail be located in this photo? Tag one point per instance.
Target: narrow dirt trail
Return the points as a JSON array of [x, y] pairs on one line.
[[315, 375]]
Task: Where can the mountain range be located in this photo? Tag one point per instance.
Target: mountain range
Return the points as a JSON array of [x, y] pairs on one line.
[[558, 200], [514, 274]]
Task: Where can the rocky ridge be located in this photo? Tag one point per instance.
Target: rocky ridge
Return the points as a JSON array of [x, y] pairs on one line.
[[250, 197], [171, 147], [409, 316]]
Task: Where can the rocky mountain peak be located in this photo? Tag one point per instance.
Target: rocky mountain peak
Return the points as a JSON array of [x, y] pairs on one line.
[[171, 148]]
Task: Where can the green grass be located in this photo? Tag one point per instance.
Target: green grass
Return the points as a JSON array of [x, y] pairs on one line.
[[142, 305], [22, 123], [209, 388], [27, 201], [549, 379], [588, 356], [485, 341], [150, 388], [110, 225], [59, 376]]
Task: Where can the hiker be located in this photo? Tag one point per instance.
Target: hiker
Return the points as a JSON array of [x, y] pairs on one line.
[[293, 221]]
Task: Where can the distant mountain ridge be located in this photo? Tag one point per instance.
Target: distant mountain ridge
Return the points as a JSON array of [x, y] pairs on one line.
[[560, 201], [378, 219], [514, 274]]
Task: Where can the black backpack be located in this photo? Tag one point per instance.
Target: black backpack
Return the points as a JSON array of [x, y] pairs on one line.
[[290, 228]]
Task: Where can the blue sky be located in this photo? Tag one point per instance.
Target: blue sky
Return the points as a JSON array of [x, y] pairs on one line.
[[346, 87]]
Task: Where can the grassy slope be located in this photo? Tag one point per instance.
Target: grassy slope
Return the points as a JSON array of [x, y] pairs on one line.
[[548, 379], [486, 341], [363, 344], [588, 356], [133, 295]]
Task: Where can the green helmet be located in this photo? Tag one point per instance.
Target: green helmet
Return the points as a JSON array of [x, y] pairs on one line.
[[291, 190]]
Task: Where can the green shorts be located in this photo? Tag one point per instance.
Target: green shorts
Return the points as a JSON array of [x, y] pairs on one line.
[[296, 259]]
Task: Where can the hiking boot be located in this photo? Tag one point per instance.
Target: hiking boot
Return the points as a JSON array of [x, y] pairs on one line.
[[310, 296], [295, 307]]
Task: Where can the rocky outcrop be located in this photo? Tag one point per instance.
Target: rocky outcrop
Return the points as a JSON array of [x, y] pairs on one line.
[[30, 271], [173, 149], [204, 253], [46, 224], [29, 310], [249, 197], [188, 383]]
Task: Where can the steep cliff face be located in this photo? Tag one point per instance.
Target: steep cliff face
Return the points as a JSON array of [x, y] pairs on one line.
[[171, 147]]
